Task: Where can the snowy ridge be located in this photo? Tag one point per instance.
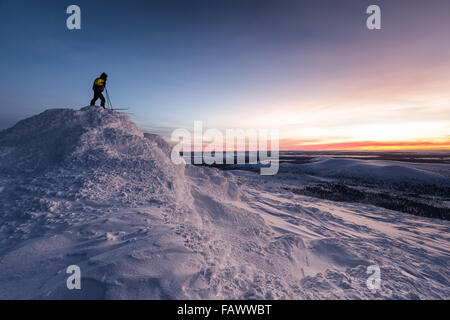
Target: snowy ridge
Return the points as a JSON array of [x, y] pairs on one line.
[[375, 170], [87, 187]]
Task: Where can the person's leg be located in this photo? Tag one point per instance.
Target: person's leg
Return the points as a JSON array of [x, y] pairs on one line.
[[95, 98], [102, 98]]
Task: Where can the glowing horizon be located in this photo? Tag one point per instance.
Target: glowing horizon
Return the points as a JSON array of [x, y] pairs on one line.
[[369, 146], [397, 104]]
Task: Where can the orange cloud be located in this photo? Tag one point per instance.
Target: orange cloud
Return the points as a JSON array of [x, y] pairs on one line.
[[293, 144]]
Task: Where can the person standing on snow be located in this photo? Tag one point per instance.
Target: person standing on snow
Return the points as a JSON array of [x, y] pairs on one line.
[[98, 87]]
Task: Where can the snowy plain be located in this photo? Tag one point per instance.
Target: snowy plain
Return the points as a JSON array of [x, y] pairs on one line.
[[87, 187]]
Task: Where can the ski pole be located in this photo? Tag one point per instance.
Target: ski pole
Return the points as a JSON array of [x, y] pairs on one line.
[[107, 97], [109, 100]]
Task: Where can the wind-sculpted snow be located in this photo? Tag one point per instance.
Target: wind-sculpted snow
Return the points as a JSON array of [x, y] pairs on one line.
[[88, 188]]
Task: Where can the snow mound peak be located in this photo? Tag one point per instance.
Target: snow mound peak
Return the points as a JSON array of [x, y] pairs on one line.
[[58, 135], [91, 153]]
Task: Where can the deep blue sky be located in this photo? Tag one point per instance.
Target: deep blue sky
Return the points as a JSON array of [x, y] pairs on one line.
[[172, 62]]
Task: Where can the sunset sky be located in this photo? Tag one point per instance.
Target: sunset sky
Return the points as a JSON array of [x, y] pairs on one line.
[[311, 69]]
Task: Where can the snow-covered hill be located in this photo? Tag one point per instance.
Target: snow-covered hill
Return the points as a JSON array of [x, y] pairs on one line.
[[376, 171], [87, 187]]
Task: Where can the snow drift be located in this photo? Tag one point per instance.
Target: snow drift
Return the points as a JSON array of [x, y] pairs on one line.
[[87, 187]]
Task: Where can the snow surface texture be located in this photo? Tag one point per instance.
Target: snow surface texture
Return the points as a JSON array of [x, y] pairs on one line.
[[89, 188]]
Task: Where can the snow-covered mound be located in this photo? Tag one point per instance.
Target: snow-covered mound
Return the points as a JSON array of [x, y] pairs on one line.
[[92, 153], [88, 188]]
